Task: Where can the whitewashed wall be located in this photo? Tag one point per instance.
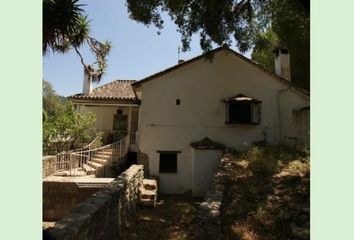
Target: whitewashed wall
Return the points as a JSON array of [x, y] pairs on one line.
[[201, 86], [205, 163]]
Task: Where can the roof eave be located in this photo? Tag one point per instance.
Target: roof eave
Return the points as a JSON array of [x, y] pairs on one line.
[[104, 100]]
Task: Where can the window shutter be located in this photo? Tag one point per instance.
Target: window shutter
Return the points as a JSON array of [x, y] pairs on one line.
[[255, 113], [227, 112], [259, 112]]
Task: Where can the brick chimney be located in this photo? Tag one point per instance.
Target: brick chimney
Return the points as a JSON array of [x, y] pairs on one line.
[[87, 84], [282, 63]]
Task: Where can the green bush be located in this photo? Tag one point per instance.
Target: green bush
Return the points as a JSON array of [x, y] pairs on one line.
[[267, 159], [262, 160], [67, 129]]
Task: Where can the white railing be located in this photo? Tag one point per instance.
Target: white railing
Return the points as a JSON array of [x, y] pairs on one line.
[[73, 161], [94, 144], [64, 161]]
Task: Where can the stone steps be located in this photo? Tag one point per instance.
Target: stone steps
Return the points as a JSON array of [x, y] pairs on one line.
[[88, 169], [149, 184], [148, 192], [103, 156], [99, 160], [94, 165], [105, 153]]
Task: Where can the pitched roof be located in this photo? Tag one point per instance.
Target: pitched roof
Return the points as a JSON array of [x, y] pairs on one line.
[[225, 47], [206, 143], [116, 90]]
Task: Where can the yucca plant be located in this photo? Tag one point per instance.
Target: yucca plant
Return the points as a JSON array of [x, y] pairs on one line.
[[63, 24], [66, 27]]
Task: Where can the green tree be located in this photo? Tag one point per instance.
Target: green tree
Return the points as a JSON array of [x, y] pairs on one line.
[[64, 127], [63, 25], [290, 29], [67, 129], [50, 100], [216, 21], [262, 53], [263, 24]]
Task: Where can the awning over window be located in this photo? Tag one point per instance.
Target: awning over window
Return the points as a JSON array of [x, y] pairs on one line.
[[241, 98]]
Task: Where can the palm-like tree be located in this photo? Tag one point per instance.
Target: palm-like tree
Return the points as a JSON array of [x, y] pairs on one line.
[[65, 27]]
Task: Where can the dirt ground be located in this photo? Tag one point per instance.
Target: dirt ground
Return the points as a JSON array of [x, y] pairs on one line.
[[272, 207], [256, 206], [172, 219]]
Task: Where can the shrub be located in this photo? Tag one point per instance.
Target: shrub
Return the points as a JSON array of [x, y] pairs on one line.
[[298, 168], [262, 160], [67, 129], [268, 158]]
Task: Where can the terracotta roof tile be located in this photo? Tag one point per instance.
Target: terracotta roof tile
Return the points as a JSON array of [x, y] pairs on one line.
[[116, 90]]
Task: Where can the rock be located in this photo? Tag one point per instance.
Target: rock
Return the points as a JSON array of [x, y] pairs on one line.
[[281, 186], [279, 191]]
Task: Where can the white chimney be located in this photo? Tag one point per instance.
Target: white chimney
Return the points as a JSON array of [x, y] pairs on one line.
[[282, 63], [87, 85]]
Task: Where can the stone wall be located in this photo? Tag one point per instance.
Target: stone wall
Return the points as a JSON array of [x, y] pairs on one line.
[[48, 165], [105, 215], [61, 194], [208, 217], [143, 159]]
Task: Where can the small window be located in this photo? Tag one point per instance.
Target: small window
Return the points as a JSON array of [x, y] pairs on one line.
[[168, 162], [178, 101], [243, 110]]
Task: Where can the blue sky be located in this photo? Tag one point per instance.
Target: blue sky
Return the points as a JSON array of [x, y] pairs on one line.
[[138, 51]]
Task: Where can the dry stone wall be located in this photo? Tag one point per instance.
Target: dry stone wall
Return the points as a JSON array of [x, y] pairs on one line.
[[143, 159], [208, 217], [48, 165], [105, 215]]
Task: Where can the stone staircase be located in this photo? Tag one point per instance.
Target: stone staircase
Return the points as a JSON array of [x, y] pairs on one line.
[[99, 161], [148, 192]]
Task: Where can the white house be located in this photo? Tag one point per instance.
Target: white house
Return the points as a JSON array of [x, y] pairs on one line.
[[188, 113], [231, 100], [115, 106]]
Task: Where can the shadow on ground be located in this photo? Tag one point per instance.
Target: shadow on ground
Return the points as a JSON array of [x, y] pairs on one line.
[[265, 207], [172, 219]]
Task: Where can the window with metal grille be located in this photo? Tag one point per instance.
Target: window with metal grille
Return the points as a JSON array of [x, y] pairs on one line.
[[243, 110]]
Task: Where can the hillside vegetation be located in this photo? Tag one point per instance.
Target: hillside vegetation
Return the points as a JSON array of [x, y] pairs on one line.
[[268, 195]]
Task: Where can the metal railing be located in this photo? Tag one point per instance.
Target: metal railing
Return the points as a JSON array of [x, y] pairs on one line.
[[73, 161], [94, 144], [64, 161]]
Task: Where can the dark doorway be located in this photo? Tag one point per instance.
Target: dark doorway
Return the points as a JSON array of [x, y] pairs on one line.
[[132, 158]]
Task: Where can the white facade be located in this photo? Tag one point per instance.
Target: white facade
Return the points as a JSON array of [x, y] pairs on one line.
[[200, 86], [205, 163]]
